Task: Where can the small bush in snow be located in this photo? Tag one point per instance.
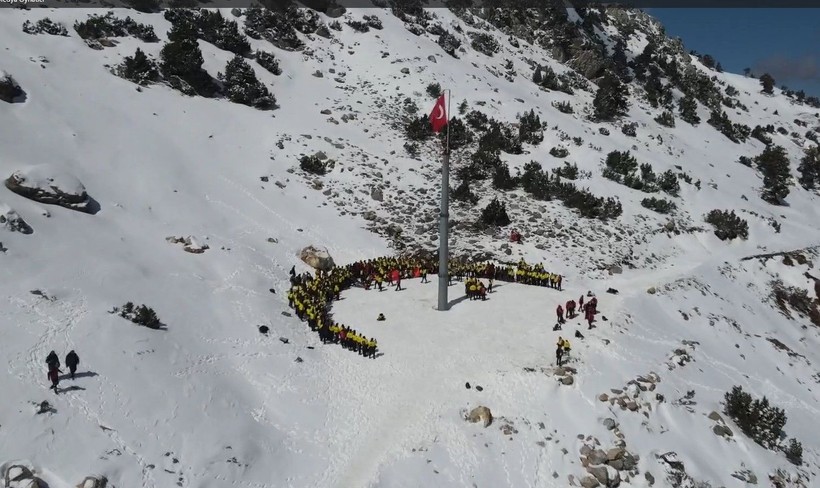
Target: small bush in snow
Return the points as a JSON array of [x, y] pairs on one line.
[[358, 25], [460, 135], [794, 452], [734, 132], [316, 166], [809, 168], [241, 85], [141, 315], [755, 417], [621, 163], [484, 43], [659, 205], [181, 64], [9, 89], [630, 129], [373, 22], [495, 214], [760, 134], [138, 69], [449, 43], [563, 107], [45, 26], [433, 90], [745, 161], [99, 27], [559, 152], [268, 61], [668, 182], [603, 131], [568, 171], [728, 225], [666, 119]]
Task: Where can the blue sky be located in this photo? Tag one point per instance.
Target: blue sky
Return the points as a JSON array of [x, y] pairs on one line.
[[784, 42]]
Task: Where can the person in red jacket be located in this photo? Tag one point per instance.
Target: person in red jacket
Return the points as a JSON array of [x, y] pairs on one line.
[[581, 303], [54, 377], [570, 309], [560, 312], [590, 317], [396, 275], [593, 305]]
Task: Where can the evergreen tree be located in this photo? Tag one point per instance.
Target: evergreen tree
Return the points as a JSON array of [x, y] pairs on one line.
[[794, 452], [460, 135], [688, 108], [463, 193], [610, 99], [529, 128], [434, 90], [241, 85], [495, 214], [138, 68], [182, 59], [502, 180], [773, 163], [536, 76], [767, 82], [809, 168]]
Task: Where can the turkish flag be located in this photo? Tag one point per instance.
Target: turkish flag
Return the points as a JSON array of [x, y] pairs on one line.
[[438, 117]]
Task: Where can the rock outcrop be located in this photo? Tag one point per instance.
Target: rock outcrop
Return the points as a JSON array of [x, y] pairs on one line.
[[49, 184], [317, 258], [10, 221], [480, 414]]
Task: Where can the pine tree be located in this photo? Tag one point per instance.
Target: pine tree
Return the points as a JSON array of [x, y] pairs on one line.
[[495, 213], [138, 68], [463, 193], [809, 168], [181, 58], [434, 90], [794, 452], [767, 82], [536, 76], [241, 85], [502, 180], [688, 108], [773, 163], [610, 99], [529, 128]]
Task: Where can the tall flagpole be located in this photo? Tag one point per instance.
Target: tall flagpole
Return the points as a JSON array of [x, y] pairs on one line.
[[444, 218]]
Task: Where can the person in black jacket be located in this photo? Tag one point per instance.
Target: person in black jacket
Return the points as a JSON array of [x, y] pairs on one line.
[[72, 360], [52, 360]]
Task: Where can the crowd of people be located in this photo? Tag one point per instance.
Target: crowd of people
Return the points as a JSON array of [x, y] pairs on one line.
[[310, 297], [590, 308]]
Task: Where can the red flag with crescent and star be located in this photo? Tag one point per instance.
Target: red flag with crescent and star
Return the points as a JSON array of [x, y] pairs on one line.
[[438, 117]]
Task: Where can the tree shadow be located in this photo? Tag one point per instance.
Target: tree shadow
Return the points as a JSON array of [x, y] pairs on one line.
[[72, 388]]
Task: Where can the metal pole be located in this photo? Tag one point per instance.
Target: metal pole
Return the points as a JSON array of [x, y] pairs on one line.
[[444, 217]]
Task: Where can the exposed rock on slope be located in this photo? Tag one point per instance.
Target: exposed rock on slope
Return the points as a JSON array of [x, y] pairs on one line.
[[45, 183]]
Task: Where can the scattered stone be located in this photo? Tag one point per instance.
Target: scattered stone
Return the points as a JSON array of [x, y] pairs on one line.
[[479, 388], [649, 478], [715, 416], [603, 397], [263, 329], [590, 482], [652, 290], [13, 222], [284, 340], [615, 269], [299, 360], [377, 194], [610, 424], [467, 385], [405, 71], [615, 453], [326, 112], [567, 380], [597, 457], [601, 474], [722, 430], [481, 414], [632, 406]]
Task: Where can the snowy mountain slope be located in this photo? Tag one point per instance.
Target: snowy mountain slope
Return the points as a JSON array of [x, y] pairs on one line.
[[210, 402]]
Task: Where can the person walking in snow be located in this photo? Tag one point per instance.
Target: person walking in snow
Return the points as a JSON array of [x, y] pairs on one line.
[[590, 317], [52, 360], [397, 279], [72, 360], [424, 275], [559, 351], [570, 309], [54, 377], [581, 303], [560, 312]]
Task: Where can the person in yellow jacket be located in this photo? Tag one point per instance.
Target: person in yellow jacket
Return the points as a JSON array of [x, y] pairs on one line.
[[559, 351], [567, 347]]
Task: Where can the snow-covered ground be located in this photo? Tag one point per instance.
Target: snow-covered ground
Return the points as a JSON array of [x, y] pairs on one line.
[[209, 402]]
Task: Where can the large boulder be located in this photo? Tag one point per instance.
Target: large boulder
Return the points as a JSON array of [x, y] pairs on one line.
[[49, 184], [317, 258], [9, 220], [19, 476], [480, 414], [601, 473], [10, 91]]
